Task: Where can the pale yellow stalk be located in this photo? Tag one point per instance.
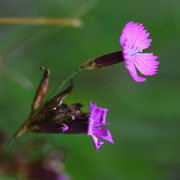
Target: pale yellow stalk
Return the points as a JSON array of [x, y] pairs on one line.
[[75, 22]]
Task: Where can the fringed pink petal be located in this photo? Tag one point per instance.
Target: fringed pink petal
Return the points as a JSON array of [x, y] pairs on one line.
[[136, 37], [125, 33], [96, 120], [106, 135], [91, 106], [132, 71], [97, 142], [98, 115], [148, 57], [146, 67]]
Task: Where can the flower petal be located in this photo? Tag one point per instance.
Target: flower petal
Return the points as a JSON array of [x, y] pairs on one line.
[[105, 134], [136, 37], [97, 142], [96, 120], [97, 114], [132, 70], [65, 127], [91, 106], [146, 67]]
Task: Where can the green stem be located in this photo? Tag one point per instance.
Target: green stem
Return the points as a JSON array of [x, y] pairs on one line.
[[57, 89], [9, 144]]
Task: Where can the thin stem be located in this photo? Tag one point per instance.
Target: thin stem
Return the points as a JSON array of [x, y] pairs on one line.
[[57, 89], [20, 131], [42, 21], [11, 141]]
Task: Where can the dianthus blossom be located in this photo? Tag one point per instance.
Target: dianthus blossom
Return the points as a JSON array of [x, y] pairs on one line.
[[97, 120], [134, 40]]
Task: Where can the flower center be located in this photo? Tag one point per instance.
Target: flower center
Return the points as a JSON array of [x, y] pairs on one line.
[[132, 52]]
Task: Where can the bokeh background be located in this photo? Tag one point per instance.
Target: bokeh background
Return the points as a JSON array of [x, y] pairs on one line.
[[144, 117]]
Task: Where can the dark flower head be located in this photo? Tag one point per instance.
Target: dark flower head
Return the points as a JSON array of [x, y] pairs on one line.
[[38, 171], [97, 119], [48, 168], [79, 122], [74, 121], [55, 116]]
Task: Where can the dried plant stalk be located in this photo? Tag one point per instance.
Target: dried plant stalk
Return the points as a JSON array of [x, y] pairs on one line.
[[75, 22]]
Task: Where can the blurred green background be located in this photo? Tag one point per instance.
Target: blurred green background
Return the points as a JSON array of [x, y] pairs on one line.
[[144, 117]]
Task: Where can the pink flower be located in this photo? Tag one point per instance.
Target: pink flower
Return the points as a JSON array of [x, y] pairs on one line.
[[134, 40], [97, 119]]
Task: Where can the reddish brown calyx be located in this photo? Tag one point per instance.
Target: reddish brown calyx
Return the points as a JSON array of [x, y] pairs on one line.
[[103, 61]]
